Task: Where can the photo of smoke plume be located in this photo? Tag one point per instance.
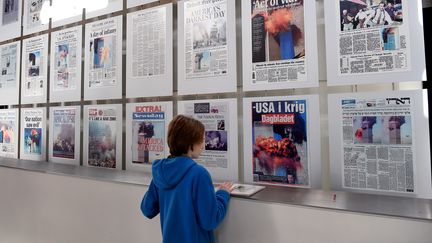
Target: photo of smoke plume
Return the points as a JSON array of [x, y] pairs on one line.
[[209, 34], [277, 31], [64, 143], [102, 144], [33, 141], [202, 61], [102, 52], [390, 38], [148, 137], [382, 130]]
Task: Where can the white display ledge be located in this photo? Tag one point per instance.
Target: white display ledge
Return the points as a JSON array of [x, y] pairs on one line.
[[403, 207]]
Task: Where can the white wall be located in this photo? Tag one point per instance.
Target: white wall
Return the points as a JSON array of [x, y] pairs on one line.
[[38, 207]]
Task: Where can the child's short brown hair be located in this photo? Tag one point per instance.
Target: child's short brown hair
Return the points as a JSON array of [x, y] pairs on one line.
[[183, 133]]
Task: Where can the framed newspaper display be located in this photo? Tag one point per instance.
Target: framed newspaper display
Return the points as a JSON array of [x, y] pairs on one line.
[[34, 68], [9, 119], [282, 141], [103, 59], [64, 135], [279, 44], [65, 72], [10, 16], [111, 6], [374, 41], [102, 136], [9, 77], [149, 51], [380, 143], [146, 133], [33, 132], [134, 3], [206, 47], [219, 116], [32, 18]]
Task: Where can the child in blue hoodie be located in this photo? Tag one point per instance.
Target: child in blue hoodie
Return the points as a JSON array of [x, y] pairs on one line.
[[182, 190]]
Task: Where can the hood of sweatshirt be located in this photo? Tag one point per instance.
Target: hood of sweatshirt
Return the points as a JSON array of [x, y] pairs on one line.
[[167, 173]]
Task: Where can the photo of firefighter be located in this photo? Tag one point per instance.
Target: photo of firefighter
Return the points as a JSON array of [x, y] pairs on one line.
[[360, 14], [278, 32]]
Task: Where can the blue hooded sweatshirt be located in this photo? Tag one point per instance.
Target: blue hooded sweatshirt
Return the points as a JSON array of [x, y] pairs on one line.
[[182, 192]]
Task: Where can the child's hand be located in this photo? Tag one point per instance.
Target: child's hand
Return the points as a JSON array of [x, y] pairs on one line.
[[227, 186]]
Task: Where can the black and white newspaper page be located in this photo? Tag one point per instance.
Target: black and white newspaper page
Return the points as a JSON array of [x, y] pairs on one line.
[[373, 37], [378, 144], [205, 36], [149, 43]]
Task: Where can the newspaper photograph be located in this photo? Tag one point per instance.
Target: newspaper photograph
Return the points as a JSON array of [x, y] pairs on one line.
[[148, 133], [205, 31], [34, 81], [378, 144], [278, 41], [34, 8], [102, 50], [66, 60], [102, 137], [9, 69], [373, 36], [280, 142], [33, 130], [10, 11], [149, 43], [215, 117], [8, 129], [64, 133]]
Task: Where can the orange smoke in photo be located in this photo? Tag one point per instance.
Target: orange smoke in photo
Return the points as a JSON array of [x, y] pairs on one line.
[[278, 21]]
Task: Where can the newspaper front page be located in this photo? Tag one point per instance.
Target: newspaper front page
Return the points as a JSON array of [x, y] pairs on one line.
[[33, 10], [102, 50], [10, 11], [9, 127], [378, 144], [215, 117], [33, 129], [149, 43], [66, 60], [205, 36], [102, 137], [280, 142], [64, 133], [9, 69], [34, 80], [373, 37], [278, 41], [148, 133]]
